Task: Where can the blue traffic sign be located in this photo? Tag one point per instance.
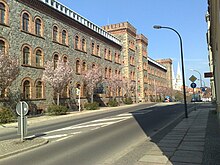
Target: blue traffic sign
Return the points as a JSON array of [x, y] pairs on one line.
[[203, 89], [193, 85]]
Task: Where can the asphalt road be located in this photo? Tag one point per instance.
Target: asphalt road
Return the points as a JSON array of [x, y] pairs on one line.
[[99, 141], [46, 126]]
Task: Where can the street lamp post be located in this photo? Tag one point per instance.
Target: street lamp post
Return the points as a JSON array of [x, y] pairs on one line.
[[199, 76], [181, 52]]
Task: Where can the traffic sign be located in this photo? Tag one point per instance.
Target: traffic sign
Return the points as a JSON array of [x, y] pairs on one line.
[[22, 105], [193, 85], [192, 78], [203, 89]]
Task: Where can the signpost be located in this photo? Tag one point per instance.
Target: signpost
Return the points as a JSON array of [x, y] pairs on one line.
[[78, 94], [22, 110]]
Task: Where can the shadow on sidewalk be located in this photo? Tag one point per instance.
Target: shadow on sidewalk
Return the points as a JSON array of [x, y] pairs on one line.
[[181, 141]]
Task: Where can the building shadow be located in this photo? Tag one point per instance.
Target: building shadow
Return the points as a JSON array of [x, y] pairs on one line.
[[155, 127]]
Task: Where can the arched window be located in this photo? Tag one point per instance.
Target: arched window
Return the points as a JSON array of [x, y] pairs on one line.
[[55, 60], [116, 57], [110, 72], [26, 56], [2, 46], [83, 45], [98, 50], [93, 65], [76, 42], [65, 59], [25, 22], [64, 37], [106, 72], [93, 48], [38, 27], [26, 89], [109, 55], [105, 53], [77, 66], [2, 13], [84, 67], [55, 33], [39, 90], [39, 57]]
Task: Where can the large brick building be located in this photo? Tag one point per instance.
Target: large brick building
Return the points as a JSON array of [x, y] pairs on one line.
[[37, 31]]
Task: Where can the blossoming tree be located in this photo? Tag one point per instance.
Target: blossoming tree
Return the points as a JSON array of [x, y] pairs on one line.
[[115, 83], [91, 78], [9, 70], [59, 77], [128, 86]]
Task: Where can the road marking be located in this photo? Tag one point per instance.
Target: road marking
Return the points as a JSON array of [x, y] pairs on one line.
[[110, 119], [62, 139], [55, 136], [87, 126], [125, 114]]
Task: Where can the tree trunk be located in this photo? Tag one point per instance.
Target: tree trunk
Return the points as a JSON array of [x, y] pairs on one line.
[[92, 97], [58, 98]]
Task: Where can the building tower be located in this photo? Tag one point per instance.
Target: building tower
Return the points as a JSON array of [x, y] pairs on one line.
[[178, 81], [168, 63]]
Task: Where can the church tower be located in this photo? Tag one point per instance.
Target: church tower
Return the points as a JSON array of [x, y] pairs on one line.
[[178, 80]]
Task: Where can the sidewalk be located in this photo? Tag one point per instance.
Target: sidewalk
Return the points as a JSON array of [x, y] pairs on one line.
[[194, 141]]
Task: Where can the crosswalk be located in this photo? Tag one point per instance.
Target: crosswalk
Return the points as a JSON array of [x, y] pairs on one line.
[[64, 133]]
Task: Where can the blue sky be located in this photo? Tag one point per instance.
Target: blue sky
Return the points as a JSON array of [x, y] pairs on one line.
[[186, 16]]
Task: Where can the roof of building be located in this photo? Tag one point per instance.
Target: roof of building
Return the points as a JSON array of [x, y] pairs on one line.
[[77, 17], [156, 63]]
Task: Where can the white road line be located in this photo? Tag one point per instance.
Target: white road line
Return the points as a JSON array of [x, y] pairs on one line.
[[125, 114], [55, 136], [95, 128], [62, 139], [110, 119], [75, 133]]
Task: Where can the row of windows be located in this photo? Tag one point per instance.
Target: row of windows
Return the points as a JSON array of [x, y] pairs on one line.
[[109, 73], [36, 58], [31, 90], [30, 58], [61, 36]]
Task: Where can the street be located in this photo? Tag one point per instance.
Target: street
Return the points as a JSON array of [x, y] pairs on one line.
[[98, 141]]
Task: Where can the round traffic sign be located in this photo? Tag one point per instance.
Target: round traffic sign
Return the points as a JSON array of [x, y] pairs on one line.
[[24, 106], [193, 85], [203, 89]]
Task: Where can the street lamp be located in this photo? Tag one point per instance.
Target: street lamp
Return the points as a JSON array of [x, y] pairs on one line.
[[181, 52], [199, 75]]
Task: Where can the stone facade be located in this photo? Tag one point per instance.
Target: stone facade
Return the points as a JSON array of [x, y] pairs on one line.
[[49, 28], [168, 64], [213, 45]]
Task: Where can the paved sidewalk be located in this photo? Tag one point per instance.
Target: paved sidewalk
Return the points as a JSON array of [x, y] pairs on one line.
[[191, 142]]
